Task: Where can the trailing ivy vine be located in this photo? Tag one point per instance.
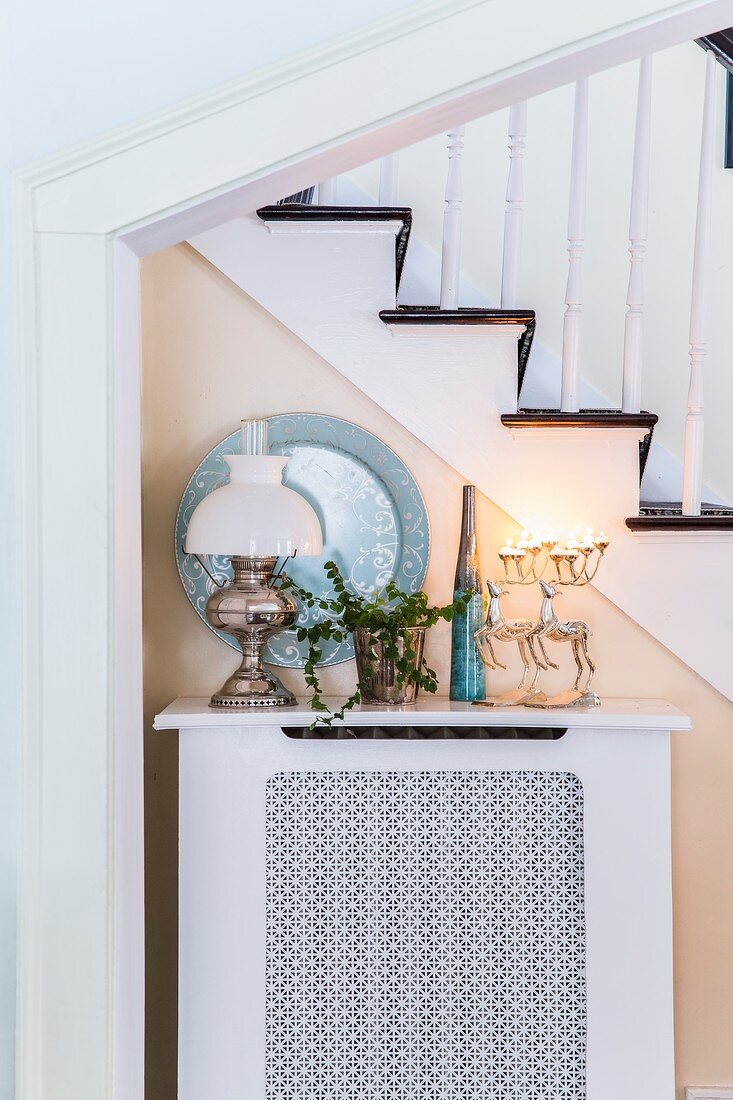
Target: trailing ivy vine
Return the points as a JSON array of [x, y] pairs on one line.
[[388, 615]]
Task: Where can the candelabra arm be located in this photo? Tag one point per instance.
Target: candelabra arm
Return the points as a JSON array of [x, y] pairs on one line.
[[576, 575], [535, 558], [526, 575], [589, 576]]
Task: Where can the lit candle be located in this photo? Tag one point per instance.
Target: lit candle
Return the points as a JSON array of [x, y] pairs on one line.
[[506, 553], [587, 545], [601, 542]]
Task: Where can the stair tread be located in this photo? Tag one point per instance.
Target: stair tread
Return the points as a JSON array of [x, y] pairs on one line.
[[295, 211], [584, 418], [721, 44], [300, 211], [667, 515], [463, 315], [674, 507], [470, 315]]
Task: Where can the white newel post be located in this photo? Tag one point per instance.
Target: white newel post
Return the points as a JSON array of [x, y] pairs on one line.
[[638, 222], [576, 247], [388, 170], [327, 192], [450, 269], [695, 419], [514, 211]]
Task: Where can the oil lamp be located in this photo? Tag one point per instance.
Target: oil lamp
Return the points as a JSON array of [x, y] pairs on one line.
[[255, 520]]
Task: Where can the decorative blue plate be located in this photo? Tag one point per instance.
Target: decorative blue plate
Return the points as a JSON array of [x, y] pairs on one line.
[[372, 514]]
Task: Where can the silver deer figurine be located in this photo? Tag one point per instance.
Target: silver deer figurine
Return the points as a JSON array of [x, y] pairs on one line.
[[499, 629], [577, 632]]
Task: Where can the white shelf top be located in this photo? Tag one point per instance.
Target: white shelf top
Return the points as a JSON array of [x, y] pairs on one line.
[[647, 714]]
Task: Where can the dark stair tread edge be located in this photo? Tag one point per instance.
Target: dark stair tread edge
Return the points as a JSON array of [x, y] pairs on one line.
[[674, 508], [306, 212], [470, 315], [300, 211], [590, 418], [660, 519], [462, 315], [721, 44]]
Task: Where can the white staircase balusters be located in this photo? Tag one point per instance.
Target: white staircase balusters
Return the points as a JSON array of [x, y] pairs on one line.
[[638, 223], [514, 210], [450, 267], [576, 247], [695, 419], [327, 192], [388, 170]]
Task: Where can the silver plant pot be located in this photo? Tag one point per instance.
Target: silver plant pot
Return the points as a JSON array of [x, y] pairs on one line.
[[377, 674]]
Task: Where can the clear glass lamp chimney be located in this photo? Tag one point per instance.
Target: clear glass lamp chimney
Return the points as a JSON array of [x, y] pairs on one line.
[[254, 436]]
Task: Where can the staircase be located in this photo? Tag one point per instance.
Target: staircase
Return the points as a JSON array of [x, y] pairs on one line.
[[453, 377]]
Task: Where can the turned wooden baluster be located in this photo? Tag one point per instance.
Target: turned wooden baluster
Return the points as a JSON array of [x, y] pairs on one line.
[[327, 192], [695, 419], [638, 222], [450, 268], [576, 247], [514, 210], [388, 169]]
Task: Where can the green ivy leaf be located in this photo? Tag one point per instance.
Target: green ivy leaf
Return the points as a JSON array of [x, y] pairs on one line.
[[387, 614]]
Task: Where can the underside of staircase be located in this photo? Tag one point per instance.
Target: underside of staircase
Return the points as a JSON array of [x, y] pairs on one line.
[[454, 378]]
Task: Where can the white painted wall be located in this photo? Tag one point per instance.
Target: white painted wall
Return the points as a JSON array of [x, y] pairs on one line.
[[676, 115], [69, 73]]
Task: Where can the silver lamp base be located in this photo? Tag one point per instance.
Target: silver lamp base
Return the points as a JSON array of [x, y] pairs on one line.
[[242, 689], [252, 609]]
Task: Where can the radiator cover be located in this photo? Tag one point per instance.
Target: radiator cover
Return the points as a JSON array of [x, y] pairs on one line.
[[402, 919], [425, 935]]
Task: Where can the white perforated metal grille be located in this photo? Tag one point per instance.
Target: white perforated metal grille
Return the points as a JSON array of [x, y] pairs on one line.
[[425, 936]]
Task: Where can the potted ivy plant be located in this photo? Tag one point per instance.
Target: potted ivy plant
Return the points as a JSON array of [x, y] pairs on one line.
[[389, 636]]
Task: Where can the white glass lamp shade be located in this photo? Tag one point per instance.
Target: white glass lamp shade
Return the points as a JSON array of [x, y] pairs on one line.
[[254, 514]]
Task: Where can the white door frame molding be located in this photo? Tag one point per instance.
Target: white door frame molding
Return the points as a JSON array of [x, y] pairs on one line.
[[81, 222]]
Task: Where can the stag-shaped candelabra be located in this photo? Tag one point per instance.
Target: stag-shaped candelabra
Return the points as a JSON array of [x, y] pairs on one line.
[[575, 631], [499, 629], [570, 563]]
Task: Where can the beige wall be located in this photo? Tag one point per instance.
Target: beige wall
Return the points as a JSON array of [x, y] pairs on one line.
[[211, 356]]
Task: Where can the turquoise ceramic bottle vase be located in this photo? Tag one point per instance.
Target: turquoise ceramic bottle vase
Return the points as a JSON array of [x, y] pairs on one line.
[[467, 671]]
